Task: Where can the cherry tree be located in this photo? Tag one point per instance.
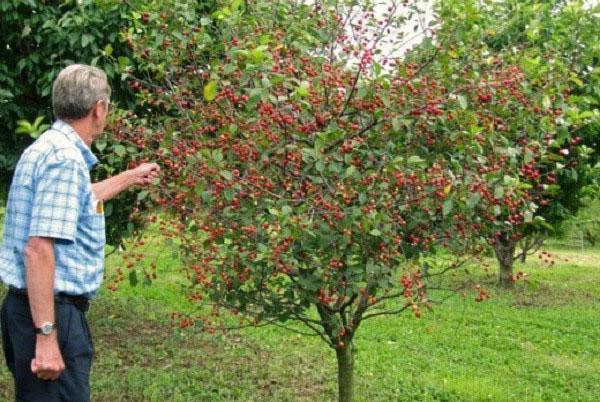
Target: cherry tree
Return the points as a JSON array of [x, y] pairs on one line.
[[307, 179]]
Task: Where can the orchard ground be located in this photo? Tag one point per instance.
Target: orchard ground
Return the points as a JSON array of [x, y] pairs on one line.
[[538, 342]]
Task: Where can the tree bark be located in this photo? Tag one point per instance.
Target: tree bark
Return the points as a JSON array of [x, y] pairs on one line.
[[524, 257], [526, 245], [345, 360], [505, 251]]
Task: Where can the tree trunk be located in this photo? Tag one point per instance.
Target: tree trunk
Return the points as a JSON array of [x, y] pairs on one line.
[[505, 251], [526, 245], [524, 257], [345, 360]]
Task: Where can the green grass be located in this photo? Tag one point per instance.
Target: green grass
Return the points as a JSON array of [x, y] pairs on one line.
[[538, 342]]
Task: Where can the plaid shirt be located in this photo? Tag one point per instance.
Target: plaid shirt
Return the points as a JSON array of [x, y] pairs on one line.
[[51, 196]]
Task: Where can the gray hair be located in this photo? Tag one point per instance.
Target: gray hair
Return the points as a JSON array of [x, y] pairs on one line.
[[76, 90]]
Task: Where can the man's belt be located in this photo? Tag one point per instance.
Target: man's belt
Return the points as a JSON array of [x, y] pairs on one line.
[[81, 302]]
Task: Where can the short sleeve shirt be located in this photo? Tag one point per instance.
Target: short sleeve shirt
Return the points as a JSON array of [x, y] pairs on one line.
[[51, 196]]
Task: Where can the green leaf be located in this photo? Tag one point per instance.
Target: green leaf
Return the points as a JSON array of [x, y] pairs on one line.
[[108, 209], [540, 221], [351, 171], [375, 232], [199, 189], [24, 127], [499, 192], [108, 50], [416, 160], [473, 200], [258, 55], [447, 207], [546, 103], [100, 144], [6, 94], [86, 39], [264, 39], [142, 195], [217, 156], [320, 166], [576, 80], [303, 89], [462, 101], [133, 279], [236, 4], [120, 150], [226, 174], [26, 31], [38, 120], [210, 91], [123, 62], [228, 193], [229, 68]]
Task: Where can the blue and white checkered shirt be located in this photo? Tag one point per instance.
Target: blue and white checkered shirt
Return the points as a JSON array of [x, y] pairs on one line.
[[51, 196]]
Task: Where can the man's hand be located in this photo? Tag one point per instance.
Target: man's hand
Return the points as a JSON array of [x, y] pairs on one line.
[[145, 173], [48, 363], [111, 187]]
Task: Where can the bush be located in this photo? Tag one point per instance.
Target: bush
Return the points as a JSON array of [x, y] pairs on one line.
[[41, 38]]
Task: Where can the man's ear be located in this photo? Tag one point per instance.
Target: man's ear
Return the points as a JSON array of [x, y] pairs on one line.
[[96, 110]]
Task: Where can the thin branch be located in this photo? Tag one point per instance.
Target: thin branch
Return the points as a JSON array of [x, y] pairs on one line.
[[538, 241], [358, 135], [390, 312]]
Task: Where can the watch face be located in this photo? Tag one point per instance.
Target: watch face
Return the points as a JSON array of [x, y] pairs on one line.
[[47, 329]]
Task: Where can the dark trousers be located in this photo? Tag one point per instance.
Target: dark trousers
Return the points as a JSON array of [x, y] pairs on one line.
[[74, 341]]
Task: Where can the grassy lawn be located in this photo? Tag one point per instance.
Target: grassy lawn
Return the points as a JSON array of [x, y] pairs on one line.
[[538, 342]]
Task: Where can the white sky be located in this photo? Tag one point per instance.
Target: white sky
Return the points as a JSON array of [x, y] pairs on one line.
[[412, 37]]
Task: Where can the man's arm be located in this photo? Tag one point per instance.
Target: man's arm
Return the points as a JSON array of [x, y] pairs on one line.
[[111, 187], [39, 277]]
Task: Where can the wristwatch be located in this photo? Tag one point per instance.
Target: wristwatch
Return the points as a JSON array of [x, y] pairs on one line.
[[46, 328]]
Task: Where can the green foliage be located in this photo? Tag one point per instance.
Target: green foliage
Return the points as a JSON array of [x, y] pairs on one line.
[[585, 226], [293, 179], [551, 140], [555, 43], [159, 22], [33, 130], [38, 40]]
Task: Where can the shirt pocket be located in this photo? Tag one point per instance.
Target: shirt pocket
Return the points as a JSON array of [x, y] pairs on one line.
[[93, 225]]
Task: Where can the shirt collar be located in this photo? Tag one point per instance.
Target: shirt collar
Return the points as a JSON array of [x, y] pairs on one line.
[[88, 156]]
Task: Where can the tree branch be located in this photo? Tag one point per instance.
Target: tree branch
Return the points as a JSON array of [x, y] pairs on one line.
[[390, 312]]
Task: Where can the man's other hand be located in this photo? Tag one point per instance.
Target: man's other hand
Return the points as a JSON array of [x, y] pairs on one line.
[[48, 363]]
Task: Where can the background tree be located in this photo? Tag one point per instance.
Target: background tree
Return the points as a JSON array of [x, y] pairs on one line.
[[559, 63]]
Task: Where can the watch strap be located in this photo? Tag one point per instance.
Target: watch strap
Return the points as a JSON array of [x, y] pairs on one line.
[[46, 328]]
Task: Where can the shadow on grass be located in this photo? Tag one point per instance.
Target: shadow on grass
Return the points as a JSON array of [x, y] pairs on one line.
[[141, 357]]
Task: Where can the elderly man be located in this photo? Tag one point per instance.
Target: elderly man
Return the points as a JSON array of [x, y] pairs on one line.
[[52, 255]]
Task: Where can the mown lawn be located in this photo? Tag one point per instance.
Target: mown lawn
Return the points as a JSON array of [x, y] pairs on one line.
[[538, 342]]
